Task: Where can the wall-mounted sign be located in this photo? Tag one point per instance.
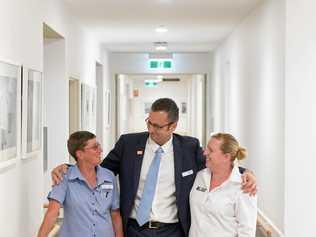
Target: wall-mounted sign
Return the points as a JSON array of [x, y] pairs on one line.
[[151, 83], [155, 64]]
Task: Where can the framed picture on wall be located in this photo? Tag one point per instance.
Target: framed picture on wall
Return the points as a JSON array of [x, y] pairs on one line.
[[147, 107], [10, 113], [107, 108], [88, 107], [183, 107], [32, 113]]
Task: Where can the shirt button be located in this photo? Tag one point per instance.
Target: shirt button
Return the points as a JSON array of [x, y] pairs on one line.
[[93, 224]]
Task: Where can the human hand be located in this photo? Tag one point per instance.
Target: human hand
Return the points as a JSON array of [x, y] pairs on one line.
[[57, 173], [249, 183]]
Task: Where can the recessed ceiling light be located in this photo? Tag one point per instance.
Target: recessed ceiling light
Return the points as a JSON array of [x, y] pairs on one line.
[[161, 29]]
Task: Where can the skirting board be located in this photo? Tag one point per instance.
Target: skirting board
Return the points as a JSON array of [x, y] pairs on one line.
[[269, 224]]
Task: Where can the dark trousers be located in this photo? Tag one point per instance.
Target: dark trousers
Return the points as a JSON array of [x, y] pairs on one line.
[[170, 230]]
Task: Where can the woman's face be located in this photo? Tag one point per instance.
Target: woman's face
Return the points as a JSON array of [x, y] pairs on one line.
[[92, 152], [213, 153]]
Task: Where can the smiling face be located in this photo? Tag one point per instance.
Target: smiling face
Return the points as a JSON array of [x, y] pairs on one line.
[[91, 153], [159, 127], [214, 155]]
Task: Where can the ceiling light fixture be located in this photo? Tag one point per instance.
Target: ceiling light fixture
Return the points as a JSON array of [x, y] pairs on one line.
[[161, 29], [161, 46]]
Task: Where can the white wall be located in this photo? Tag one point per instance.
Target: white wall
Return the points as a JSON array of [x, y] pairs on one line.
[[300, 112], [21, 184], [21, 42], [248, 89]]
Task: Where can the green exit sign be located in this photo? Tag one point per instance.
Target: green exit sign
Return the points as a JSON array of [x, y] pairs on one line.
[[160, 64]]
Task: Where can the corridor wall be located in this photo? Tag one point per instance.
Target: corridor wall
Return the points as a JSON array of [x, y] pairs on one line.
[[300, 112], [21, 42], [248, 100]]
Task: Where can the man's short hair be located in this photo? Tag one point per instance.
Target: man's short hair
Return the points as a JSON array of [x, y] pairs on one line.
[[167, 105], [77, 141]]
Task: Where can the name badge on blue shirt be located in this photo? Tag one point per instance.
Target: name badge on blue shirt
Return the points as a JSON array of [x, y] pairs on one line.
[[105, 189]]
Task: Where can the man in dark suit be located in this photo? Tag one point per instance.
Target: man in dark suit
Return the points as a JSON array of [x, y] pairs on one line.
[[156, 171]]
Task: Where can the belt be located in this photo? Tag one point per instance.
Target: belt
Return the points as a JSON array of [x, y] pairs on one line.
[[151, 224]]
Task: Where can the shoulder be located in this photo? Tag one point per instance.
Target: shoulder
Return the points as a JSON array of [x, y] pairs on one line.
[[187, 140], [200, 174], [106, 172], [133, 136]]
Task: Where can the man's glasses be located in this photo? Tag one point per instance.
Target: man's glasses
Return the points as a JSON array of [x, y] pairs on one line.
[[94, 147], [156, 126]]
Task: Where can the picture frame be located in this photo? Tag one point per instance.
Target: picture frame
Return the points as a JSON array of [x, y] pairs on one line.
[[10, 113], [88, 107], [107, 108], [183, 107], [147, 107], [32, 129]]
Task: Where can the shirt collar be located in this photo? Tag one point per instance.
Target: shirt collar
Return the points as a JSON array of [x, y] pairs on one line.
[[167, 147], [235, 176], [74, 173]]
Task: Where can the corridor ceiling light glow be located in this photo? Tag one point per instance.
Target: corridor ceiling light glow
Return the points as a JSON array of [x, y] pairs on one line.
[[161, 46], [161, 29]]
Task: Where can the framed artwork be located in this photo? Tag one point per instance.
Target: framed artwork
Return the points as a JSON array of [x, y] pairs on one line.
[[10, 113], [147, 107], [88, 107], [32, 113], [107, 108], [183, 107]]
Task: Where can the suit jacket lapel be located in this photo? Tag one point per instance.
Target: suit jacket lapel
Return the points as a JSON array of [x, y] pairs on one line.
[[138, 159], [178, 157]]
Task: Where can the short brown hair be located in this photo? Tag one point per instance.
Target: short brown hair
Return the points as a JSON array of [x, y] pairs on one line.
[[77, 141], [230, 145], [167, 105]]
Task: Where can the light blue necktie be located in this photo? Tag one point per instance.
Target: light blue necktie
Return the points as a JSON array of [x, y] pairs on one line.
[[144, 208]]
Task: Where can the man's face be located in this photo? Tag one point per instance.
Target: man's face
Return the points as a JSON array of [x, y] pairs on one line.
[[159, 127]]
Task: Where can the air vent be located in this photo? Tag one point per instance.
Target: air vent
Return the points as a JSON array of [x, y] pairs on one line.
[[171, 79]]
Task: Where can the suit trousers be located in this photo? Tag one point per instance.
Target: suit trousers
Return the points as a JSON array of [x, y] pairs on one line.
[[170, 230]]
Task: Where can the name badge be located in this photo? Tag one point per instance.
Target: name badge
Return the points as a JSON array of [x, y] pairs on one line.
[[107, 186], [186, 173], [202, 189]]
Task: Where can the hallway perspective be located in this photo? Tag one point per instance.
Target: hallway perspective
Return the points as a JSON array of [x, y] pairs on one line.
[[245, 67]]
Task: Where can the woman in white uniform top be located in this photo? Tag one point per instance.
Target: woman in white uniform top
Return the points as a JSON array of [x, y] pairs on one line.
[[219, 208]]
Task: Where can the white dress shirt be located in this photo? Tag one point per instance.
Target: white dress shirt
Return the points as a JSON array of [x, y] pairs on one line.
[[225, 211], [164, 207]]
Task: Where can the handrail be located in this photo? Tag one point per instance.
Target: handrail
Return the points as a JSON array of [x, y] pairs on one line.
[[264, 227]]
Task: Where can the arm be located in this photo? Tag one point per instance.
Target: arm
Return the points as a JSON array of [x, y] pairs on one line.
[[49, 219], [249, 183], [117, 223], [246, 215], [113, 159], [57, 173]]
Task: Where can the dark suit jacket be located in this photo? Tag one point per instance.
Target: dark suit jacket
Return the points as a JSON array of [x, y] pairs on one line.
[[126, 160]]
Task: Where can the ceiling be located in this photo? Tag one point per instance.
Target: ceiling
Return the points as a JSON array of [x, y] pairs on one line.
[[129, 25]]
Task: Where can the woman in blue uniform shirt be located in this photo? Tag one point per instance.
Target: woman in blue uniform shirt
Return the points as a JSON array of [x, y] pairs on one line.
[[88, 194]]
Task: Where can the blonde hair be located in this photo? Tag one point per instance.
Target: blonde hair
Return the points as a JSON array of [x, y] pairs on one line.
[[230, 145]]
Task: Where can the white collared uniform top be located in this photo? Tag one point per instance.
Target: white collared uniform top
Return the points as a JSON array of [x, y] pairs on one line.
[[164, 207], [224, 211]]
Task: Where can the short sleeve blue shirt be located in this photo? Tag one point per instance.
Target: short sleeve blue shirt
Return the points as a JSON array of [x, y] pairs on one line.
[[87, 211]]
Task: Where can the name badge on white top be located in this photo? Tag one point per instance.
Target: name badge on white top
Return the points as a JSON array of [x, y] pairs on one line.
[[107, 186], [186, 173]]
